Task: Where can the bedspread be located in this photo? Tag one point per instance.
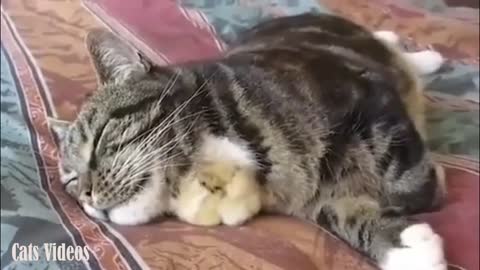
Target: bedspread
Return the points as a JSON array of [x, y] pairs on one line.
[[45, 71]]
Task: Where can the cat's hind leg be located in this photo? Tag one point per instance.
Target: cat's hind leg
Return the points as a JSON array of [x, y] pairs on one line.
[[420, 248], [393, 241]]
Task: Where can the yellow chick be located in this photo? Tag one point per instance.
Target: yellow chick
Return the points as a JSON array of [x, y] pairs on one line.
[[219, 193]]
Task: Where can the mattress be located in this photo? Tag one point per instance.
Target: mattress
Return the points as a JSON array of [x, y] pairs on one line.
[[46, 71]]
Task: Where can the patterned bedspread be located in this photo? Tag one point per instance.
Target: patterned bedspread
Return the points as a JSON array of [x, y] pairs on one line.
[[45, 71]]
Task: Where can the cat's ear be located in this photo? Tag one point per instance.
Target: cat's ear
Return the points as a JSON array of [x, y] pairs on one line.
[[59, 127], [114, 59]]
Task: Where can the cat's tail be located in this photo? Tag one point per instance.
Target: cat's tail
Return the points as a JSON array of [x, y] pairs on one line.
[[412, 65], [423, 62]]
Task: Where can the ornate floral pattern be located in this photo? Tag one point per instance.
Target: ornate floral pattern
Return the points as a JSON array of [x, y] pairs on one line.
[[46, 70]]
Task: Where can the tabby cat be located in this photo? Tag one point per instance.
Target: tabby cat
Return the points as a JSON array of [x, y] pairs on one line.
[[316, 103]]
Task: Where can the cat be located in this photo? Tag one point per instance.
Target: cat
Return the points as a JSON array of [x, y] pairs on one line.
[[216, 196], [202, 202], [315, 102]]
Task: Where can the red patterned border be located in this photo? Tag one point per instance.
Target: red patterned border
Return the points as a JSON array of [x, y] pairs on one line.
[[115, 26], [193, 25], [459, 162], [105, 250], [99, 244]]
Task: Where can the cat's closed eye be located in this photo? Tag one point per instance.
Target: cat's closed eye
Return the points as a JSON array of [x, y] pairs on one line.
[[69, 176]]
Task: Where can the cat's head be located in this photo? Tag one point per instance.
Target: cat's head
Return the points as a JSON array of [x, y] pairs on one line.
[[122, 137]]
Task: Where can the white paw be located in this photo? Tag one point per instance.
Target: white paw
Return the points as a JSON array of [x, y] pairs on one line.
[[148, 204], [425, 62], [423, 250], [387, 36]]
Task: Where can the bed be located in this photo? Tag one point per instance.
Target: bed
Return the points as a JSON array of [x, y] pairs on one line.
[[45, 71]]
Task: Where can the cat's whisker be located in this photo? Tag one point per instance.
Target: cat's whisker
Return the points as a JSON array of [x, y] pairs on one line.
[[153, 136], [171, 124], [168, 87], [137, 151], [134, 158], [139, 163], [162, 151], [153, 166], [152, 131], [197, 92], [137, 158], [140, 168]]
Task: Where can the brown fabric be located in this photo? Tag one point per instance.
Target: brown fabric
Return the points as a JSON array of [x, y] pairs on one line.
[[266, 243], [447, 35], [54, 32], [462, 3]]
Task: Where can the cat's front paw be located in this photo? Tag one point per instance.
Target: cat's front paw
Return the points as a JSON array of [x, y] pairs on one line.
[[422, 249]]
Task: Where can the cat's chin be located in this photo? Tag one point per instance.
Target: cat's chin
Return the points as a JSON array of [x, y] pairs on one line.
[[95, 213], [145, 206], [124, 214], [130, 215]]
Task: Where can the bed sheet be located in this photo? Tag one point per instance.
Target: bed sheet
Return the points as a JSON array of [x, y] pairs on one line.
[[45, 71]]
